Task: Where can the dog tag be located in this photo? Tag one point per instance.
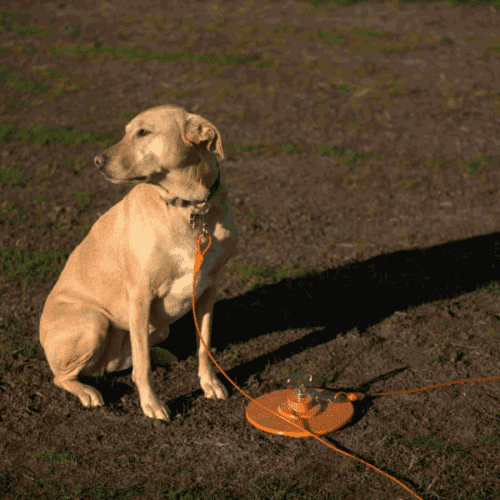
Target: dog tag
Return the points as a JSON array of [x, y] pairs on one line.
[[192, 219]]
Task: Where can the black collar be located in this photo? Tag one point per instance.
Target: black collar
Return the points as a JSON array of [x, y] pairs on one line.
[[179, 202]]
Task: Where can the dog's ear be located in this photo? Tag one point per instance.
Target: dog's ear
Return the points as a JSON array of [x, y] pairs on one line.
[[198, 131]]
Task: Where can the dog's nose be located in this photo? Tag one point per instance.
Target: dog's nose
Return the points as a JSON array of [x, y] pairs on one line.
[[100, 161]]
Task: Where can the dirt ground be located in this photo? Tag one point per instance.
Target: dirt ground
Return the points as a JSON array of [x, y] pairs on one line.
[[368, 244]]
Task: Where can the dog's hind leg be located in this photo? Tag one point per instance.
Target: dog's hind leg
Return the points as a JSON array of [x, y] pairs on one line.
[[74, 338]]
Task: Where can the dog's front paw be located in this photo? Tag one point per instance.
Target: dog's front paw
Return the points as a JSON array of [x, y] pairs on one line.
[[213, 387], [154, 408]]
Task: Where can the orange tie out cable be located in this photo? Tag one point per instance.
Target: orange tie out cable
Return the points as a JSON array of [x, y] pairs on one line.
[[350, 396]]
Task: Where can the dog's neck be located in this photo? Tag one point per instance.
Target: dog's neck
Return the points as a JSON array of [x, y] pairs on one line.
[[179, 202]]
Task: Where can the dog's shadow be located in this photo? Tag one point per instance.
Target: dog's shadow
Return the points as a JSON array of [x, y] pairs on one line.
[[359, 294]]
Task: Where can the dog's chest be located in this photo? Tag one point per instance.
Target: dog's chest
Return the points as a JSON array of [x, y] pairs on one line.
[[183, 285], [175, 294]]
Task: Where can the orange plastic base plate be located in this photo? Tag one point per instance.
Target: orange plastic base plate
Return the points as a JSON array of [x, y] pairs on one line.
[[317, 417]]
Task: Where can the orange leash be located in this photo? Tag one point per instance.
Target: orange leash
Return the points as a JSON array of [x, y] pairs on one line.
[[467, 380], [352, 397]]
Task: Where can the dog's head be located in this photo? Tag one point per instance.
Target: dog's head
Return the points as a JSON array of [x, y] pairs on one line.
[[169, 147]]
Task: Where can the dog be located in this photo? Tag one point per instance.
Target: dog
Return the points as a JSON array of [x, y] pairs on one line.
[[132, 275]]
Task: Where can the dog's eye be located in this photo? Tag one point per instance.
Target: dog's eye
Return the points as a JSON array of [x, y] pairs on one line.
[[141, 132]]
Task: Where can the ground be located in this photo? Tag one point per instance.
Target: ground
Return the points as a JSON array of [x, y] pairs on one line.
[[362, 163]]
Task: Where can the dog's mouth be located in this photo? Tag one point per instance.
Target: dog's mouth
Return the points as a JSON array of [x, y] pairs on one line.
[[132, 180]]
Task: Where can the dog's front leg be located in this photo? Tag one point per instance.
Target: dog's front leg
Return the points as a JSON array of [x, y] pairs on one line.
[[211, 385], [140, 302]]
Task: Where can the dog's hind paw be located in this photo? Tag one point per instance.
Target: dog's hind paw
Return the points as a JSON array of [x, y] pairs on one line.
[[90, 396]]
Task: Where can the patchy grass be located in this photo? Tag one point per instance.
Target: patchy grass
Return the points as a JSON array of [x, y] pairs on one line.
[[362, 173]]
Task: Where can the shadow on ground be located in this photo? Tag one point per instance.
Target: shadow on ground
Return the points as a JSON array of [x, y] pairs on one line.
[[358, 295]]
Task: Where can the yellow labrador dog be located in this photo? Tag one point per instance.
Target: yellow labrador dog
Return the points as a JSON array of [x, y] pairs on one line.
[[133, 274]]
